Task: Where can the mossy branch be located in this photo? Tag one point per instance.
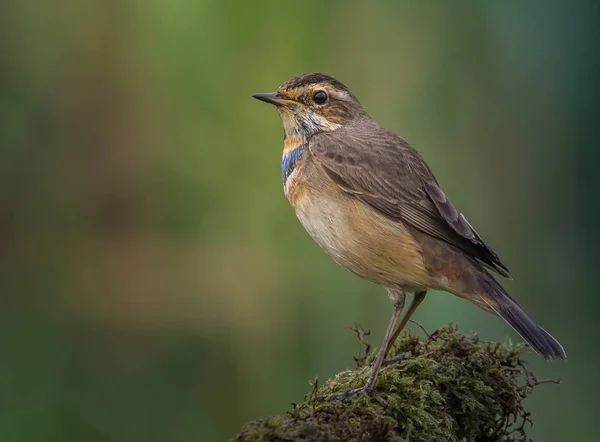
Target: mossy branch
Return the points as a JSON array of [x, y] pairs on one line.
[[447, 386]]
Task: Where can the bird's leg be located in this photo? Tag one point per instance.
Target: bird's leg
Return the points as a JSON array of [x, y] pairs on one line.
[[397, 297], [417, 300]]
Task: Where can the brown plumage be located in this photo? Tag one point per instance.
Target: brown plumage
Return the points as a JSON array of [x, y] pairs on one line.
[[372, 203], [384, 171]]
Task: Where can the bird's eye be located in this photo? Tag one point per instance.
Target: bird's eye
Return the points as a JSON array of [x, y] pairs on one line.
[[320, 97]]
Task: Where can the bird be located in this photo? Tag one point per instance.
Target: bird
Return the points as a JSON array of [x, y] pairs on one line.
[[372, 203]]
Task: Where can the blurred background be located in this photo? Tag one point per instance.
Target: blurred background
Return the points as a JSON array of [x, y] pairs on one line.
[[155, 285]]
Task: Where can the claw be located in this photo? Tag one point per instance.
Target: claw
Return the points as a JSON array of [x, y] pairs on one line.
[[391, 360], [343, 395], [394, 360]]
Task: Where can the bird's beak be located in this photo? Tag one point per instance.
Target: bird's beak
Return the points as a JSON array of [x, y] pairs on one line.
[[273, 98]]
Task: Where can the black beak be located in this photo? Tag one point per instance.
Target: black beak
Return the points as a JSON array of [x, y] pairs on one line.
[[273, 98]]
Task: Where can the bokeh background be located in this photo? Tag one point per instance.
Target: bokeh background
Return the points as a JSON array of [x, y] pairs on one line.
[[155, 285]]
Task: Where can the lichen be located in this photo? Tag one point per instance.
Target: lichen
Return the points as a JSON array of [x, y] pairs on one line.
[[447, 386]]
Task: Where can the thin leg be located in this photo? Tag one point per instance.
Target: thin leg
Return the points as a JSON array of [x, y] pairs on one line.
[[417, 300], [397, 297]]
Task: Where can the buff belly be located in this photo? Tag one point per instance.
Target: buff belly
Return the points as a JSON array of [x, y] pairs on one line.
[[355, 236]]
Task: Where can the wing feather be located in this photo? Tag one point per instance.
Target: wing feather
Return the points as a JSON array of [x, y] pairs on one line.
[[384, 171]]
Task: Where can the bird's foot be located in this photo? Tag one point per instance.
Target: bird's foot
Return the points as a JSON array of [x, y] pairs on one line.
[[343, 395], [353, 393], [394, 360], [389, 361]]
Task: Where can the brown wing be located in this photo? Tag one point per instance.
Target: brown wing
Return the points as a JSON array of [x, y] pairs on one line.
[[384, 171]]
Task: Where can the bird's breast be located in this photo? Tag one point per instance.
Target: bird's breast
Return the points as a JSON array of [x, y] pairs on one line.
[[353, 234]]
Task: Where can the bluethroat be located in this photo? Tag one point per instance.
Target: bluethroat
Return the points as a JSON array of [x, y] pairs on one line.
[[371, 202]]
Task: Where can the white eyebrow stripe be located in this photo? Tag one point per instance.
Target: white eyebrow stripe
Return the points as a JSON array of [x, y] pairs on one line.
[[340, 94]]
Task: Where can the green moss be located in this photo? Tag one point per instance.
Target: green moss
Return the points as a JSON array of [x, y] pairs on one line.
[[450, 387]]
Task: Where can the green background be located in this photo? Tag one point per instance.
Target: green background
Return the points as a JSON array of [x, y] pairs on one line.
[[155, 285]]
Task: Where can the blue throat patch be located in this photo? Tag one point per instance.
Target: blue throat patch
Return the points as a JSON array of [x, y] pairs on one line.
[[289, 162]]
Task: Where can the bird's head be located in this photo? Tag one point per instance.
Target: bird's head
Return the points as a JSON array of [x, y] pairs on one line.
[[312, 103]]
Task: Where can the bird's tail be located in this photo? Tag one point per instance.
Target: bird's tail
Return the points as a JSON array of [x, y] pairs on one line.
[[505, 306]]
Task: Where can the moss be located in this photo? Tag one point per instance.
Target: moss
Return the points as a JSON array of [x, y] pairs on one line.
[[449, 387]]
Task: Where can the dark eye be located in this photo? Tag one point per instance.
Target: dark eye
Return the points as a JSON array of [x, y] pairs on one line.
[[320, 97]]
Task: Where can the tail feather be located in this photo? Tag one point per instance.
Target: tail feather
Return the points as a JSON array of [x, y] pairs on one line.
[[505, 306]]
